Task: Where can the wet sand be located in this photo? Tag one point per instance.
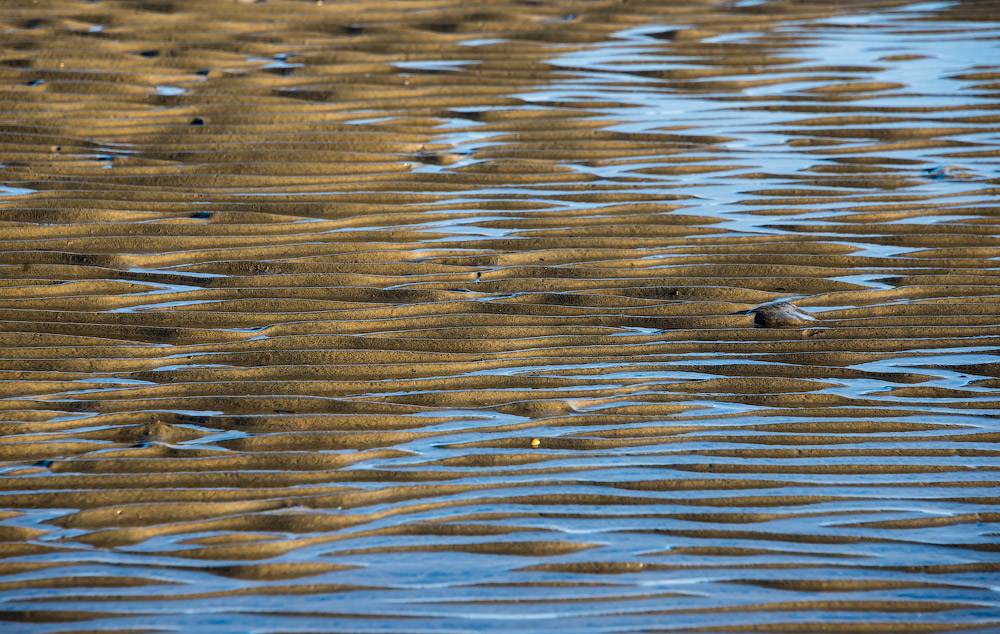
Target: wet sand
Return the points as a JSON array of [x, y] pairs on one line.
[[425, 317]]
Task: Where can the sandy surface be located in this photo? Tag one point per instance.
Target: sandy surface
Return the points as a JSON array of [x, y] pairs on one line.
[[430, 317]]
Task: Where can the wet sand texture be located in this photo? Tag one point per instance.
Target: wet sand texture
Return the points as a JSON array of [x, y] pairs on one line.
[[437, 316]]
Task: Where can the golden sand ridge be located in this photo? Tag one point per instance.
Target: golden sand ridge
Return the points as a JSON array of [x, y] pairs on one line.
[[564, 316]]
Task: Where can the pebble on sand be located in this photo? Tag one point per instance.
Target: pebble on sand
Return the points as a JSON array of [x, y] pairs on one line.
[[780, 315]]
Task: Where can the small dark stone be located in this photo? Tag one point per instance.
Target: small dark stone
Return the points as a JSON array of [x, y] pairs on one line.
[[430, 158], [780, 315], [664, 35], [197, 121]]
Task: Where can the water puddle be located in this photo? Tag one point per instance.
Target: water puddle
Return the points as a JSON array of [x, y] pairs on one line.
[[170, 91]]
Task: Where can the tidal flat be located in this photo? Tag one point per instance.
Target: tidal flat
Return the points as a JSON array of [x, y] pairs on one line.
[[431, 316]]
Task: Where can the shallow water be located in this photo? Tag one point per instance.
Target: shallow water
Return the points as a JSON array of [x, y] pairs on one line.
[[425, 317]]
